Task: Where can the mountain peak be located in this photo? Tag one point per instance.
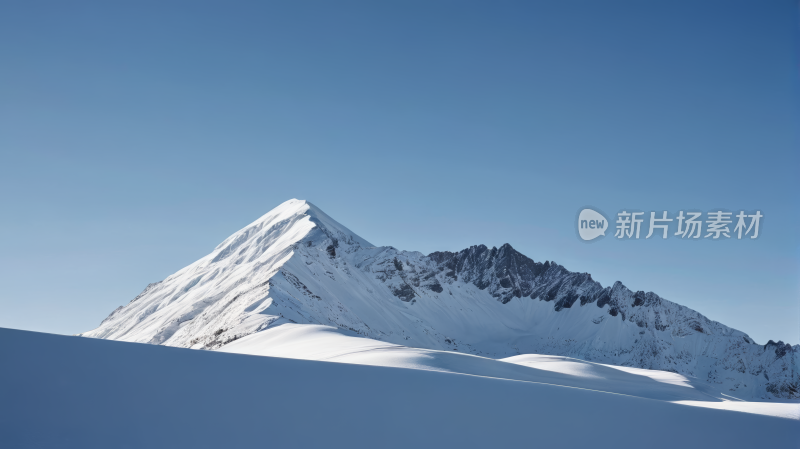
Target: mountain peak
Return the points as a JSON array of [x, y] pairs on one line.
[[290, 222]]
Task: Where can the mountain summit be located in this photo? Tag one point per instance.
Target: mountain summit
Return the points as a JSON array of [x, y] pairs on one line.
[[296, 264]]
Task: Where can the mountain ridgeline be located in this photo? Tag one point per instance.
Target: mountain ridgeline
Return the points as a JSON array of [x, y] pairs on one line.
[[296, 263]]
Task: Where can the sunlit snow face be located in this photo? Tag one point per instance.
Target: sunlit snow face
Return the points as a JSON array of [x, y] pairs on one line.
[[591, 224]]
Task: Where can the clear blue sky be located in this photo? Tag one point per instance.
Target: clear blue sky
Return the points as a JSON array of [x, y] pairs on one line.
[[136, 136]]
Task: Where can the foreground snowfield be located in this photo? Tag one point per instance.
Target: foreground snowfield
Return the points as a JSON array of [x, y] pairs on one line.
[[327, 343], [72, 392]]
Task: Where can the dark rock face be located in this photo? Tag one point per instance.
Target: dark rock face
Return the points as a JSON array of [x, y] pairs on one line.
[[405, 292], [784, 389], [435, 287], [780, 348], [509, 274]]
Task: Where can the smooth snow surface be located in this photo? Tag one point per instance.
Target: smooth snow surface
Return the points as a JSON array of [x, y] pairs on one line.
[[72, 392], [326, 343]]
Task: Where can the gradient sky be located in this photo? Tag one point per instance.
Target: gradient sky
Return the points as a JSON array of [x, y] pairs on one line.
[[136, 136]]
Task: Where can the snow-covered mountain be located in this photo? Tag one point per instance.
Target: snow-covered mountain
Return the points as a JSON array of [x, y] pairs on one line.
[[296, 264]]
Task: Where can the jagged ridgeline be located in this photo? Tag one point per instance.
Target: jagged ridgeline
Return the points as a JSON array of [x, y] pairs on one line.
[[296, 263]]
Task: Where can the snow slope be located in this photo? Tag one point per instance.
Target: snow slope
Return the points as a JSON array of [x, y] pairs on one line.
[[296, 264], [69, 392], [327, 343]]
